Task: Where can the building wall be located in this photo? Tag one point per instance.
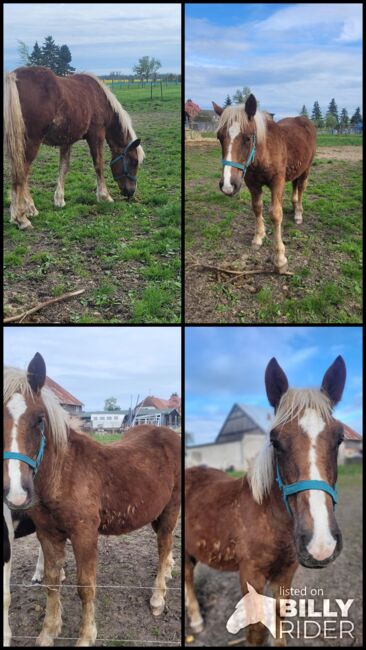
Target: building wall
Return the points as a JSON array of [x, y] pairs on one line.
[[252, 444], [220, 456], [107, 420]]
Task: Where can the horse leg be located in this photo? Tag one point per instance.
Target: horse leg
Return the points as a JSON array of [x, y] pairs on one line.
[[85, 550], [54, 552], [59, 196], [96, 143], [257, 204], [278, 586], [257, 634], [276, 214], [39, 572], [301, 184], [164, 527], [22, 204], [193, 608]]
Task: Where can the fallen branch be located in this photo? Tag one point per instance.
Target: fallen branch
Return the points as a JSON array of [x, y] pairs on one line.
[[223, 269], [236, 641], [41, 305]]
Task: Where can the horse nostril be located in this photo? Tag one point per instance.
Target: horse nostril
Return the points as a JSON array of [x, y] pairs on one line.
[[221, 184]]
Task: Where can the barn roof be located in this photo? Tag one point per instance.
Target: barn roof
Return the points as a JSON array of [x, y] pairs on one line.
[[350, 434], [63, 395], [156, 402], [241, 420]]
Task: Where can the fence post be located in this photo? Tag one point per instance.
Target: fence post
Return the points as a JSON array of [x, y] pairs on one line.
[[151, 90], [161, 90]]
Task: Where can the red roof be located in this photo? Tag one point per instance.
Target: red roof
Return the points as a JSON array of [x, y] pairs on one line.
[[350, 434], [62, 394], [174, 402]]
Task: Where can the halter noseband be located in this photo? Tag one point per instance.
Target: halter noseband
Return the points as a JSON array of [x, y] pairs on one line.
[[249, 161], [34, 464], [131, 145], [300, 486]]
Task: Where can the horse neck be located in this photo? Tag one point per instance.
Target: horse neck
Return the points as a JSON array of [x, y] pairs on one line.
[[116, 138]]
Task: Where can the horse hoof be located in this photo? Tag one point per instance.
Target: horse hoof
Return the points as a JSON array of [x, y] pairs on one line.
[[36, 581], [157, 611], [44, 640], [197, 628], [282, 269], [25, 226], [255, 246]]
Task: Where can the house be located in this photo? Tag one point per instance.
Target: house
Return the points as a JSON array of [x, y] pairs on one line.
[[169, 417], [174, 401], [67, 401], [103, 420], [242, 436]]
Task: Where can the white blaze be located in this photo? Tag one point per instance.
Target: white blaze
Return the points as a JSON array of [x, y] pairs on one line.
[[17, 496], [234, 131], [322, 543]]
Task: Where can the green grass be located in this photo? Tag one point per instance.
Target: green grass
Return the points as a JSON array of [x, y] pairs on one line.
[[342, 140], [125, 254], [324, 253], [105, 438]]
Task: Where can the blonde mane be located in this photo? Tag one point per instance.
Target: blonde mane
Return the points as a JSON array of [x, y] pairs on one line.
[[15, 381], [291, 407], [123, 116], [237, 114]]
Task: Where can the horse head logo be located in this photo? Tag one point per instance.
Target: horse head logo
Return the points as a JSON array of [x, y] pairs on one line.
[[253, 608]]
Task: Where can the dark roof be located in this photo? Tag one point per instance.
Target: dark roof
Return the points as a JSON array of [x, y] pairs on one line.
[[350, 434], [237, 424], [63, 395]]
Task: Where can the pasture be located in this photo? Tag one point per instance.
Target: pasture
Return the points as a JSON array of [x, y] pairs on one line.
[[126, 254], [324, 252], [126, 569], [218, 592]]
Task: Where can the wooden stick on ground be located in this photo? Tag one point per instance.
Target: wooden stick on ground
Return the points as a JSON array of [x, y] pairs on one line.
[[222, 269], [41, 305]]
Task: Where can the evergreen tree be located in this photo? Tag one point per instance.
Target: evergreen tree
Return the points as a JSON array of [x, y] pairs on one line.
[[36, 57], [333, 110], [304, 111], [228, 101], [331, 121], [51, 53], [356, 117], [63, 64], [344, 119]]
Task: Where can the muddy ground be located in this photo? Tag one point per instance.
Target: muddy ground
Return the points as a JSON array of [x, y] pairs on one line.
[[122, 614], [219, 592]]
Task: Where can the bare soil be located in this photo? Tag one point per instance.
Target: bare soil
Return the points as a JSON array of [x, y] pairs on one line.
[[128, 565], [219, 592], [331, 153]]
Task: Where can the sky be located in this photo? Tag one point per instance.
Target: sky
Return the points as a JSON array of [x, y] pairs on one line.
[[102, 37], [287, 54], [224, 365], [94, 363]]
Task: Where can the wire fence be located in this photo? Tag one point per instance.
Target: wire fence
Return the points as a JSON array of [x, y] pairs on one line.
[[38, 585], [70, 638]]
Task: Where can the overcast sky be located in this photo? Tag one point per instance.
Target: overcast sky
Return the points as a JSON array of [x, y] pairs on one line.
[[225, 365], [102, 37], [288, 54], [94, 363]]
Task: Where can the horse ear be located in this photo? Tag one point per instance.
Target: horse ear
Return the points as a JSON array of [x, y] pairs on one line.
[[136, 143], [218, 110], [334, 380], [276, 382], [36, 372], [251, 106]]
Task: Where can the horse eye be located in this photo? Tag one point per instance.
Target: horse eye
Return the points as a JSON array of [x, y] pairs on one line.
[[276, 445]]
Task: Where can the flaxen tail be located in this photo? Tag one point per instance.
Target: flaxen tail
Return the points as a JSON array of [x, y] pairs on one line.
[[14, 126]]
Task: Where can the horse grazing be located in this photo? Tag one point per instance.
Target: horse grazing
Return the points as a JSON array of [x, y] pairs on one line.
[[273, 153], [280, 514], [77, 489], [58, 111]]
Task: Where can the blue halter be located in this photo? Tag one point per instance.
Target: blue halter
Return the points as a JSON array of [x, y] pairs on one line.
[[122, 156], [34, 464], [249, 159], [300, 486]]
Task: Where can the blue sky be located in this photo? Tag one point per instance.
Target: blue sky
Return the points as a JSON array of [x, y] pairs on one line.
[[288, 54], [94, 363], [102, 37], [225, 365]]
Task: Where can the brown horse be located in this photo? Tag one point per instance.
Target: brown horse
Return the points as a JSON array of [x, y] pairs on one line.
[[77, 489], [58, 111], [273, 153], [245, 524]]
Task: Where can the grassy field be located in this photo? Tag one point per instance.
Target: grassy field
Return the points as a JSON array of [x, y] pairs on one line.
[[125, 254], [347, 475], [323, 139], [324, 253]]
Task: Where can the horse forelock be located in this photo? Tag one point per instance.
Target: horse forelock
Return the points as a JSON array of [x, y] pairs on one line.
[[123, 117], [237, 115], [292, 405], [15, 381]]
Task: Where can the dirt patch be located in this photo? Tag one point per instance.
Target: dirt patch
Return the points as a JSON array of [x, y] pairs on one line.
[[123, 615], [218, 592], [331, 153]]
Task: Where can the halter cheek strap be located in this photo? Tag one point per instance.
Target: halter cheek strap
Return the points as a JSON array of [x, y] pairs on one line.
[[131, 145], [300, 486], [34, 464], [249, 161]]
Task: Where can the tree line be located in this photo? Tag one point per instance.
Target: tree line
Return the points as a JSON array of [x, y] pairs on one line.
[[331, 120], [58, 58]]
